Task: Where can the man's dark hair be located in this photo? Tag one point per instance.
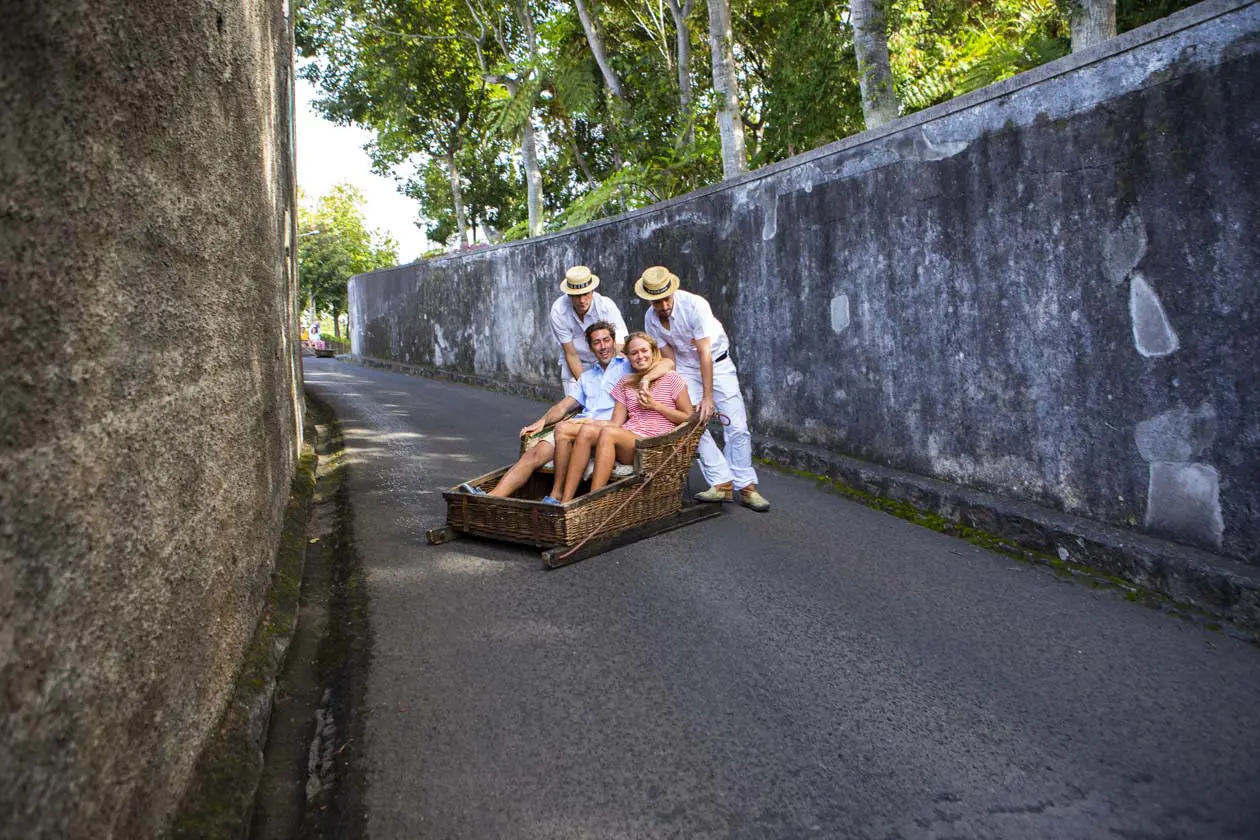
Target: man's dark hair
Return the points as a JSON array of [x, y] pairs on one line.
[[600, 325]]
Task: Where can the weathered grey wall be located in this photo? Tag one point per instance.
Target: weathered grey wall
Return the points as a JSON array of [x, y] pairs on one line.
[[148, 414], [1046, 289]]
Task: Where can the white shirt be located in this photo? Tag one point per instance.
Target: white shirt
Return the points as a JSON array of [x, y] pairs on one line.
[[566, 327], [691, 319]]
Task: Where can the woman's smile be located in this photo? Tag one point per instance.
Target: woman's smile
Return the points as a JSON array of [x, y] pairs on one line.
[[640, 356]]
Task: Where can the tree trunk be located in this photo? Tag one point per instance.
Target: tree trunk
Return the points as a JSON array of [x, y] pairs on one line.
[[580, 158], [682, 32], [529, 160], [533, 177], [730, 123], [457, 195], [1092, 22], [870, 42], [597, 48], [529, 146]]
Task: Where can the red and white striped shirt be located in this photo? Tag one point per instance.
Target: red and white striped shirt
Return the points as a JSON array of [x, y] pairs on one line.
[[647, 422]]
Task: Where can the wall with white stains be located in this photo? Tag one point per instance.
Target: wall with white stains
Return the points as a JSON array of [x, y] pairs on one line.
[[1046, 289]]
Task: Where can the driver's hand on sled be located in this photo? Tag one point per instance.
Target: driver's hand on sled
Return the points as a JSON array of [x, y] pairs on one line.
[[533, 428], [706, 408]]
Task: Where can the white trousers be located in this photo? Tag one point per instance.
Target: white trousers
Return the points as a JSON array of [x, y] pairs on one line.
[[735, 465]]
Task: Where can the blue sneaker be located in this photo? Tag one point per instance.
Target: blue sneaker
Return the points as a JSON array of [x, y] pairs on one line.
[[474, 490], [551, 500]]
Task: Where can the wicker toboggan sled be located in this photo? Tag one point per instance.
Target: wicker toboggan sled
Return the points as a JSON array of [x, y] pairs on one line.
[[647, 502]]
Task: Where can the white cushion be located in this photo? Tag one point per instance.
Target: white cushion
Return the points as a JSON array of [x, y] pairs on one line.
[[619, 470]]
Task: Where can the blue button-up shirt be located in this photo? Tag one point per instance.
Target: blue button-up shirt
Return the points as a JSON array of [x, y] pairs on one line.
[[595, 386]]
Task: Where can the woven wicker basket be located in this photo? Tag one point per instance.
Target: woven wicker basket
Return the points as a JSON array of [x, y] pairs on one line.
[[665, 460]]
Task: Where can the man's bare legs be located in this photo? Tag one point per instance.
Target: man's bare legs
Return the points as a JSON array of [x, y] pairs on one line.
[[614, 444], [515, 478], [566, 433]]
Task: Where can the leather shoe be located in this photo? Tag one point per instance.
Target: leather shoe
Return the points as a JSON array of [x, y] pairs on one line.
[[717, 493], [750, 498]]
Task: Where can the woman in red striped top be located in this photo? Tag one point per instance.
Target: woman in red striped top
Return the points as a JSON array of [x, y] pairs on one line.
[[637, 415]]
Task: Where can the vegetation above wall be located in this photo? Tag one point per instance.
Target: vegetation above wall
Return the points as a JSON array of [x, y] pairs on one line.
[[507, 118]]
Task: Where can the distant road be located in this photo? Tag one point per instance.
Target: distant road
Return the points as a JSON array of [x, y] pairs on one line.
[[823, 670]]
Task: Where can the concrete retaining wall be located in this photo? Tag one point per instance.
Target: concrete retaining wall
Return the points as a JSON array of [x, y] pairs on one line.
[[148, 394], [1045, 290]]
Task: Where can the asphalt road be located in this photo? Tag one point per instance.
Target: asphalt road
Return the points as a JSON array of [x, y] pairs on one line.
[[823, 670]]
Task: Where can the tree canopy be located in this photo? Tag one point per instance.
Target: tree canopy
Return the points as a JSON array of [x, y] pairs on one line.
[[334, 244], [504, 118]]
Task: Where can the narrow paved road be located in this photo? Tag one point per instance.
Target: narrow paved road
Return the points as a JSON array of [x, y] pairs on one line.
[[823, 670]]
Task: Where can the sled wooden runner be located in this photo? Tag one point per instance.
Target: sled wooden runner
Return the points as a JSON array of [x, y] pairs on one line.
[[556, 557]]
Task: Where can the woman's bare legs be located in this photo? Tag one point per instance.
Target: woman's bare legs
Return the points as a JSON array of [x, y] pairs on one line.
[[566, 434], [614, 444], [579, 454]]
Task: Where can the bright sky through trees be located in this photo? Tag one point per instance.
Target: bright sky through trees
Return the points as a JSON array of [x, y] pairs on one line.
[[329, 154]]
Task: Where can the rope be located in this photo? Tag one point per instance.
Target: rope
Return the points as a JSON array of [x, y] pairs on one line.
[[722, 418]]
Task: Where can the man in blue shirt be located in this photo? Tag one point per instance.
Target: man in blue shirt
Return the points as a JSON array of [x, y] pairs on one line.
[[592, 398]]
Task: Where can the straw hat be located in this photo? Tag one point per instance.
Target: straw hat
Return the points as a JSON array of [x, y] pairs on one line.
[[578, 281], [657, 282]]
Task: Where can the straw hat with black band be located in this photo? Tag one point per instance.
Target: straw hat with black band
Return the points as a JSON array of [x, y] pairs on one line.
[[578, 281], [656, 282]]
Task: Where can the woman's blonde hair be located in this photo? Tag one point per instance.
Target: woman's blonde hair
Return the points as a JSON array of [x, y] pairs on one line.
[[656, 356]]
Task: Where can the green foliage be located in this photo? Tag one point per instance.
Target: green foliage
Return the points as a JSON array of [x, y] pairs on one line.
[[945, 48], [520, 230], [811, 95], [334, 244], [1130, 14], [399, 68], [512, 112], [457, 80], [637, 185], [492, 192], [576, 87]]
